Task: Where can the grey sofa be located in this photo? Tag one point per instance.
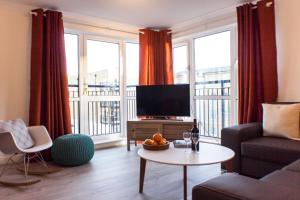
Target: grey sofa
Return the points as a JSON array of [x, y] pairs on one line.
[[267, 168], [257, 156], [281, 184]]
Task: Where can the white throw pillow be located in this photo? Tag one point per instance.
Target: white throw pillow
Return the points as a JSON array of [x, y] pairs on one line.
[[281, 120], [19, 130]]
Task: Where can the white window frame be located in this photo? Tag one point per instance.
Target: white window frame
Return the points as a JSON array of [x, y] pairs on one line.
[[177, 45], [82, 57], [190, 40]]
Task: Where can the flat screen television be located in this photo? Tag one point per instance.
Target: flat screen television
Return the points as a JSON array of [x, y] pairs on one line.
[[163, 100]]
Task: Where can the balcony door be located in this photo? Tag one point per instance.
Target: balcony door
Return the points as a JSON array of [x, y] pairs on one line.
[[101, 98], [94, 84], [214, 86]]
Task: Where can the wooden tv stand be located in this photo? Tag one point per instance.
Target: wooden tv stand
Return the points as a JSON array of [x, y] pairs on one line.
[[143, 129]]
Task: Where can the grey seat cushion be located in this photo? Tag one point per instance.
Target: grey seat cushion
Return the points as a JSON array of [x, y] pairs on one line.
[[285, 178], [236, 187], [271, 149], [19, 131], [295, 166]]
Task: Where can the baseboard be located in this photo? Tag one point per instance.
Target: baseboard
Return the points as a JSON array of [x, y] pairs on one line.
[[109, 143], [99, 144]]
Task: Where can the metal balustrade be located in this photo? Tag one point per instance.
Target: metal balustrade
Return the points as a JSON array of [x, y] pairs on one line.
[[212, 100], [74, 108], [131, 102], [104, 117]]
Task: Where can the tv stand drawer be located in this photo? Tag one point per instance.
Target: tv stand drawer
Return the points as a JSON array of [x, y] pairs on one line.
[[143, 129]]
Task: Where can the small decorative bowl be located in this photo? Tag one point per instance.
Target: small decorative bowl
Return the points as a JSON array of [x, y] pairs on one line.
[[156, 147]]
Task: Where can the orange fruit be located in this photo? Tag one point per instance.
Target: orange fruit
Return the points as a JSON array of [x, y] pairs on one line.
[[155, 143], [157, 137], [149, 142]]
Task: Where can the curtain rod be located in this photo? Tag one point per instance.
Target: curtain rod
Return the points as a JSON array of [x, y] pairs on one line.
[[268, 4], [94, 26], [169, 32], [34, 13]]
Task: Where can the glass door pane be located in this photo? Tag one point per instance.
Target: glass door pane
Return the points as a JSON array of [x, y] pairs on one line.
[[103, 87], [72, 57], [132, 78], [180, 64], [213, 82], [103, 68]]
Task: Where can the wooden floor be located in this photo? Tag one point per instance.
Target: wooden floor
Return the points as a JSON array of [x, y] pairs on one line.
[[113, 174]]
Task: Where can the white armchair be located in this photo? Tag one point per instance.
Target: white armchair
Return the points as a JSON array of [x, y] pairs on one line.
[[9, 145]]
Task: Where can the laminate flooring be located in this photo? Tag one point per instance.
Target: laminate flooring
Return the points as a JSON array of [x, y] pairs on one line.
[[113, 174]]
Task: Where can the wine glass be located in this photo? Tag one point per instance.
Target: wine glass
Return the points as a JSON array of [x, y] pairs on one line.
[[186, 137], [195, 138]]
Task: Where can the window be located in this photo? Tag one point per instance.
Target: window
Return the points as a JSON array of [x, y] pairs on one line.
[[132, 78], [71, 46], [213, 100], [103, 68], [132, 64], [72, 51], [212, 63], [180, 64], [107, 99]]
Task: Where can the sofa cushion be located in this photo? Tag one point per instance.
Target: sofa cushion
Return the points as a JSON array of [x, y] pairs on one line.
[[258, 168], [272, 149], [295, 166], [281, 120], [284, 178], [236, 187]]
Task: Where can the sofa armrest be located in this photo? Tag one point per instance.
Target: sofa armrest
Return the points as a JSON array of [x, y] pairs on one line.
[[232, 137], [236, 187]]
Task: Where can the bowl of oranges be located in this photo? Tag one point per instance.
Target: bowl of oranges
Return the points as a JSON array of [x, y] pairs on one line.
[[158, 142]]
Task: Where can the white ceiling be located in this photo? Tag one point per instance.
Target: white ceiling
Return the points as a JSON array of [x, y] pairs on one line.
[[141, 13]]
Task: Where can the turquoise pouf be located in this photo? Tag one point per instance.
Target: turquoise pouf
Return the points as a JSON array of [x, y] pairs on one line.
[[72, 150]]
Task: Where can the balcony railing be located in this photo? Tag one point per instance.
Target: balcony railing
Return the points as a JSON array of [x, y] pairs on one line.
[[212, 109], [104, 117], [131, 102], [74, 108]]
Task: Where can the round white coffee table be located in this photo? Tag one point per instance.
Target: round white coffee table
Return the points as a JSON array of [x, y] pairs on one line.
[[208, 154]]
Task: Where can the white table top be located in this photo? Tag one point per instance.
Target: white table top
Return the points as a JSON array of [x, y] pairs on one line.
[[208, 154]]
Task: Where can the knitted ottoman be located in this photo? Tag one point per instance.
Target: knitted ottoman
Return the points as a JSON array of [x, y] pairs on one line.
[[72, 150]]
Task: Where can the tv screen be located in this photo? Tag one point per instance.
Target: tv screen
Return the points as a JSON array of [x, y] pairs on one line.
[[163, 100]]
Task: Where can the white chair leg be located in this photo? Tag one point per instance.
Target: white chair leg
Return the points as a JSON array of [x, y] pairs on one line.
[[41, 158]]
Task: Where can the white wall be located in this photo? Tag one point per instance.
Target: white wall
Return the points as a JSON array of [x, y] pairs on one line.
[[14, 62], [288, 49]]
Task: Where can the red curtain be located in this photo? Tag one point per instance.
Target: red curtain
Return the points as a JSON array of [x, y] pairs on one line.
[[49, 95], [257, 65], [156, 62]]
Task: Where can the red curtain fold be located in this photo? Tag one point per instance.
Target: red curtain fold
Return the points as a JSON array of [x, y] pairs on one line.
[[49, 95], [257, 76], [156, 60]]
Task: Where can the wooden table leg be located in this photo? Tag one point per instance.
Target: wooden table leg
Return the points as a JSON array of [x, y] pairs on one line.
[[185, 182], [128, 143], [142, 174], [228, 165]]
